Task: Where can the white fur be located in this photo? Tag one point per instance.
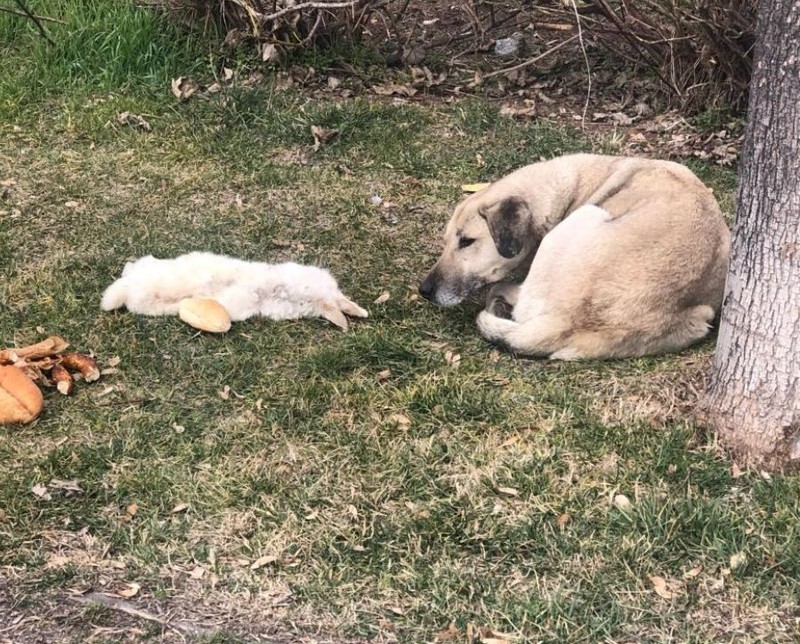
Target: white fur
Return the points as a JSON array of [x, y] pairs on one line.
[[151, 286]]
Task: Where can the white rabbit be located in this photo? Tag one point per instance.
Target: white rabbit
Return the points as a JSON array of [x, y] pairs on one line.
[[287, 291]]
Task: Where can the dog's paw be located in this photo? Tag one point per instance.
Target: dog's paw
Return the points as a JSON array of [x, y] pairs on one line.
[[500, 308]]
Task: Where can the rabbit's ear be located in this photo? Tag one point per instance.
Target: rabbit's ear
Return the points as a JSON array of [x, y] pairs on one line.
[[332, 313], [351, 308]]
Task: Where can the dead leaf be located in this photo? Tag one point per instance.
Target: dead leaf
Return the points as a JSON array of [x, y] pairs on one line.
[[487, 635], [660, 586], [269, 52], [474, 187], [508, 491], [383, 376], [383, 297], [57, 561], [132, 509], [396, 610], [183, 87], [130, 590], [225, 392], [515, 111], [736, 471], [41, 491], [334, 82], [262, 561], [113, 362], [181, 507], [400, 419], [2, 514], [450, 634], [227, 73], [197, 572], [389, 89], [452, 358], [322, 135], [133, 120], [737, 560], [70, 486], [622, 502], [691, 574], [563, 520]]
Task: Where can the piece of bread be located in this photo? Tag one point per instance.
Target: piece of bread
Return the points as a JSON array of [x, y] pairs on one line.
[[204, 314], [20, 399]]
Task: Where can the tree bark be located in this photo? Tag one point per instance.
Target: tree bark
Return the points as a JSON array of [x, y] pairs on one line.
[[753, 397]]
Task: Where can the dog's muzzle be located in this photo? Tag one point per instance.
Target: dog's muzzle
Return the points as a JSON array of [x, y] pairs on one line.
[[427, 288], [447, 293]]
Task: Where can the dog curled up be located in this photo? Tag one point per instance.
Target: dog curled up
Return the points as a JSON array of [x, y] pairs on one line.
[[621, 257], [287, 291]]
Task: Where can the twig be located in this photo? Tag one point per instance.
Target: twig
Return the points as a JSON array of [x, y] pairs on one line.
[[130, 609], [307, 5], [35, 20], [14, 12], [588, 67], [532, 60]]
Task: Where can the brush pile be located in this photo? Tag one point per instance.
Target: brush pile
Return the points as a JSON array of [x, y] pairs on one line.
[[698, 52], [274, 24]]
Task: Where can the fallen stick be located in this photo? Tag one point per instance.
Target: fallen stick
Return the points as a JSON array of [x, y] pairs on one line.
[[129, 609]]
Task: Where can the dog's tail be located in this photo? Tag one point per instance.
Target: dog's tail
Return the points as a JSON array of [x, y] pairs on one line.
[[539, 337], [115, 295]]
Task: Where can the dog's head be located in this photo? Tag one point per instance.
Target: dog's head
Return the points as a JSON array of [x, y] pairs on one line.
[[486, 239]]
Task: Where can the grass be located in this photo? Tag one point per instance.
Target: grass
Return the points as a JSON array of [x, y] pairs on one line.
[[97, 45], [478, 492]]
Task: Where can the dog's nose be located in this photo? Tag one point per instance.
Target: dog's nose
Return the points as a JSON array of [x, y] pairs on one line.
[[426, 288]]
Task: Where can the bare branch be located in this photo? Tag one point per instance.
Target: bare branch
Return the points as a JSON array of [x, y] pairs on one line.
[[22, 14], [35, 20]]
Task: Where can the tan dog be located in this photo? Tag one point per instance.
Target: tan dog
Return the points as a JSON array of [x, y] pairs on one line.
[[624, 257]]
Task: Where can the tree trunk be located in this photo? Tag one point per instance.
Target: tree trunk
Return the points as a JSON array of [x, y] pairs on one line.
[[753, 398]]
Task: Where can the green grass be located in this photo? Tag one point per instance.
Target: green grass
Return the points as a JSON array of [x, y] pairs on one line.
[[97, 46], [393, 504]]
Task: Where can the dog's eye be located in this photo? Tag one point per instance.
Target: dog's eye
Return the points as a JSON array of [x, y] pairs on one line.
[[463, 242]]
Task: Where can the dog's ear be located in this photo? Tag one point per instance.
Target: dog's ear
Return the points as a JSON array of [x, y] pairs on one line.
[[508, 221]]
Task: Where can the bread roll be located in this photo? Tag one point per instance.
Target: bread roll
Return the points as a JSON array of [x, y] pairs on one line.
[[20, 399], [204, 314]]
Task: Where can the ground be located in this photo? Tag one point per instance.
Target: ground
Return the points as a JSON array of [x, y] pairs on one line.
[[404, 481]]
